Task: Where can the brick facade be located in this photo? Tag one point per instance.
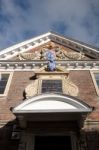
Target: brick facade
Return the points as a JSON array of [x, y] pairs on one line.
[[20, 80], [87, 137]]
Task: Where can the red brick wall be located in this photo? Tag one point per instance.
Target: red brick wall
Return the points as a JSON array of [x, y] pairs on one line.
[[15, 95], [20, 80], [87, 92]]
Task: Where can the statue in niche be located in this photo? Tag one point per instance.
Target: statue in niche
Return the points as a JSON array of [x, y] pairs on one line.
[[50, 55]]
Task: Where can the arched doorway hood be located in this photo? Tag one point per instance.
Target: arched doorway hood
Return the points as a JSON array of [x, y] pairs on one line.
[[52, 103]]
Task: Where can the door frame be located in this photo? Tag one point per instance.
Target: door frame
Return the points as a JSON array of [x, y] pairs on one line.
[[30, 139]]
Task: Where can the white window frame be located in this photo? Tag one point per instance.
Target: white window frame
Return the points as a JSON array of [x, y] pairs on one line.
[[50, 77], [8, 82], [94, 80]]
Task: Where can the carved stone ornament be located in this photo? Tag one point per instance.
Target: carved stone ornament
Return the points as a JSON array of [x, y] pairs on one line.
[[75, 55], [31, 89], [29, 56], [70, 88], [60, 54]]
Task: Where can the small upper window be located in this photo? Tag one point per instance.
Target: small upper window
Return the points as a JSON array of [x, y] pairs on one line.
[[97, 78], [51, 86], [4, 82]]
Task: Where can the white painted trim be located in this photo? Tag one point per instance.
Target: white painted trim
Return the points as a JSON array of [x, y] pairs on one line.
[[23, 43], [35, 65], [94, 80], [35, 42], [8, 82], [80, 107], [32, 70], [75, 42], [13, 53]]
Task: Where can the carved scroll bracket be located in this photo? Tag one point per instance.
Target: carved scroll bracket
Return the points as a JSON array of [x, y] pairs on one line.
[[70, 88]]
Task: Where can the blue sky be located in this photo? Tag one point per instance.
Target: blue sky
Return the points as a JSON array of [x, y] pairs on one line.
[[23, 19]]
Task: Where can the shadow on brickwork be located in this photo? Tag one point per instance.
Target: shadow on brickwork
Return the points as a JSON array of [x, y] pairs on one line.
[[92, 140], [7, 141], [89, 140], [24, 95], [10, 138], [34, 77]]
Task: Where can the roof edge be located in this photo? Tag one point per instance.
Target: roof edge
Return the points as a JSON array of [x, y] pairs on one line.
[[44, 38]]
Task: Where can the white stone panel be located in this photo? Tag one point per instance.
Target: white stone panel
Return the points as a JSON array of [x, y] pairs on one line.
[[49, 105]]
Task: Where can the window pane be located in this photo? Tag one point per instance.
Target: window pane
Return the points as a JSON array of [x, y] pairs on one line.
[[4, 76], [97, 78], [2, 90], [52, 86], [3, 82]]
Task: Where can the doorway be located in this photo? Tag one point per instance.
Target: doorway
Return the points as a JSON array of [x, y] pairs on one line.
[[52, 143]]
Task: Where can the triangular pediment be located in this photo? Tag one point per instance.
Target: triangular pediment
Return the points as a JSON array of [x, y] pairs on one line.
[[61, 53], [66, 49]]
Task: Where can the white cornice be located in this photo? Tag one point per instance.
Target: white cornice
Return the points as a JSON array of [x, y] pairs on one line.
[[24, 46], [40, 40], [35, 65], [75, 42]]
